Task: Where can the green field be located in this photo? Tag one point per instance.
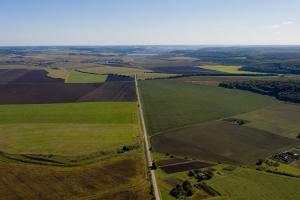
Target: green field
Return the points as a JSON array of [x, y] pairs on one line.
[[99, 113], [79, 77], [185, 118], [65, 139], [170, 104], [67, 129], [282, 119], [248, 184], [227, 69], [70, 151], [216, 80], [141, 73]]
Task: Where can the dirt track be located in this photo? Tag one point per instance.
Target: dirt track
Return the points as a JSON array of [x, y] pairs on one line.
[[156, 192]]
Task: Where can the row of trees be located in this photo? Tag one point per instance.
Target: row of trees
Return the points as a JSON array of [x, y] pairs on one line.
[[286, 90], [275, 68]]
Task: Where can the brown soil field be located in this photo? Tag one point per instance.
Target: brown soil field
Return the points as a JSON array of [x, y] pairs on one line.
[[221, 141], [112, 91], [181, 167], [115, 77], [6, 76], [36, 76], [22, 76], [172, 181], [34, 86], [296, 163], [44, 93], [118, 178]]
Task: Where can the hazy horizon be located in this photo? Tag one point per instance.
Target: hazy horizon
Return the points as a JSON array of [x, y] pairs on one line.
[[142, 22]]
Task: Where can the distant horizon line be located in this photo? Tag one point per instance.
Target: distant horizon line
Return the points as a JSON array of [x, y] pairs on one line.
[[174, 45]]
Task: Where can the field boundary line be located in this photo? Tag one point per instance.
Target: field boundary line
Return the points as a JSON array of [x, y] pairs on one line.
[[206, 122]]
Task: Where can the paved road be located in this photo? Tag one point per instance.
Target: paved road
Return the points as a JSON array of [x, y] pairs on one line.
[[147, 146]]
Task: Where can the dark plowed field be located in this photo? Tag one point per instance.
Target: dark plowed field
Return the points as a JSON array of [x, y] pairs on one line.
[[170, 161], [37, 76], [112, 91], [44, 93], [34, 86], [115, 77], [8, 76], [181, 167]]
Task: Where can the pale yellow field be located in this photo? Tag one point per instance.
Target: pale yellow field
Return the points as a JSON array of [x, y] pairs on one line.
[[57, 73], [227, 69]]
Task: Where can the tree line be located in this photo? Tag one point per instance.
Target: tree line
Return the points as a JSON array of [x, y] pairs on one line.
[[285, 90]]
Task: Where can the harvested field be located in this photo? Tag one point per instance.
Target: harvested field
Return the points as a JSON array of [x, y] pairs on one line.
[[227, 69], [221, 142], [181, 167], [101, 180], [170, 161], [34, 86]]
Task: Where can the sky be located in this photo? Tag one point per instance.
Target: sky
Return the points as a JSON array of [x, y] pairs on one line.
[[149, 22]]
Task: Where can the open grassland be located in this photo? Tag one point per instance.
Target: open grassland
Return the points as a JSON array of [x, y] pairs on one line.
[[68, 129], [248, 184], [281, 119], [79, 77], [171, 104], [221, 141], [118, 178], [227, 69]]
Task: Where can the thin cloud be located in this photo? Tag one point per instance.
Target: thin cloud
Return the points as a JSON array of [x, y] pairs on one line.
[[278, 26], [275, 26], [287, 23]]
